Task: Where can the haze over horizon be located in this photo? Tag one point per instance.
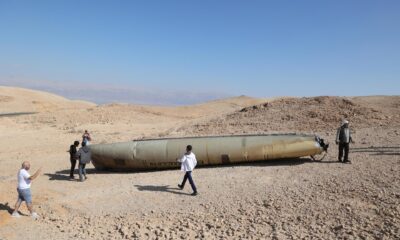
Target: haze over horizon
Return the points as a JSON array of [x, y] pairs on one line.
[[178, 52]]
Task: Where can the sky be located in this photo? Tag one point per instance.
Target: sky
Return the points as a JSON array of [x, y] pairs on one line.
[[180, 52]]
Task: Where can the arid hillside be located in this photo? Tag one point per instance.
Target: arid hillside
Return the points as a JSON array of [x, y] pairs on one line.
[[14, 100], [315, 114], [281, 199]]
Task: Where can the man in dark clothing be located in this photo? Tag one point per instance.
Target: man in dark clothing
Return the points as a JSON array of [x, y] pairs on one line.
[[343, 138], [73, 157]]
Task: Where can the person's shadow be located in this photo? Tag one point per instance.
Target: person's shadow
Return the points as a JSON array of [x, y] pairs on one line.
[[162, 188], [378, 150], [56, 176], [5, 207]]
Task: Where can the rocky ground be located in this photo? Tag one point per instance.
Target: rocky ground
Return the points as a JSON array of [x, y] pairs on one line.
[[280, 199]]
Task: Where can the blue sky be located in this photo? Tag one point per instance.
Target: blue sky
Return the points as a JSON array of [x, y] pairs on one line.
[[210, 48]]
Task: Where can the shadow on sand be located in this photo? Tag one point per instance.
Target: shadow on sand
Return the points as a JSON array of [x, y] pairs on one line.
[[63, 175], [15, 114], [377, 150], [6, 207], [163, 188], [59, 177]]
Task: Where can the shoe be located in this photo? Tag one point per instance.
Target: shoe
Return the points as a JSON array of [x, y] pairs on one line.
[[34, 215], [16, 215], [85, 177], [339, 160], [194, 194], [180, 186], [71, 177], [347, 161]]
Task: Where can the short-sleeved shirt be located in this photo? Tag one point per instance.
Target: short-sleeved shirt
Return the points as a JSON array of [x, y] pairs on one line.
[[23, 179]]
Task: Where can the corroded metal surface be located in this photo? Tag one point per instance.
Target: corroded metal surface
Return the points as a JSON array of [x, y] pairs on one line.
[[162, 153]]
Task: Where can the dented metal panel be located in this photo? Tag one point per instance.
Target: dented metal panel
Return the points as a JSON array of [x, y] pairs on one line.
[[162, 153]]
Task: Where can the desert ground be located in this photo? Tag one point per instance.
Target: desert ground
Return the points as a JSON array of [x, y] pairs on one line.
[[279, 199]]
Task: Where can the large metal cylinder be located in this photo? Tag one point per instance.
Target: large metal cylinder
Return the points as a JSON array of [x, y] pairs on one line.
[[162, 153]]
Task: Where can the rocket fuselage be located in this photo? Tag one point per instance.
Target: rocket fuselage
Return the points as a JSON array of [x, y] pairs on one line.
[[153, 154]]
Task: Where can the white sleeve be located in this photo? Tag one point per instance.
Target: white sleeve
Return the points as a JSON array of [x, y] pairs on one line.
[[182, 159], [25, 174]]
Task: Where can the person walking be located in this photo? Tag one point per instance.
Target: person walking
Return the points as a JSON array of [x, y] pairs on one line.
[[343, 139], [86, 138], [84, 158], [24, 189], [188, 163], [73, 157]]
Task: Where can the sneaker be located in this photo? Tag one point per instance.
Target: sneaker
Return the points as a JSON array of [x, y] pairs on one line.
[[15, 214], [180, 186], [194, 194], [34, 215]]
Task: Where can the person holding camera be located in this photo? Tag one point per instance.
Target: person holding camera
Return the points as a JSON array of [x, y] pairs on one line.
[[24, 189]]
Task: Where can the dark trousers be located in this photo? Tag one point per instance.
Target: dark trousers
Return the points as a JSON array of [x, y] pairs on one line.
[[73, 164], [188, 175], [82, 171], [344, 147]]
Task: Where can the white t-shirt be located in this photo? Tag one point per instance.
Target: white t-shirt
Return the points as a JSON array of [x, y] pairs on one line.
[[23, 179], [188, 161]]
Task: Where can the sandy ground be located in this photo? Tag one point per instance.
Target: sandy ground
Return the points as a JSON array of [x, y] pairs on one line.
[[282, 199]]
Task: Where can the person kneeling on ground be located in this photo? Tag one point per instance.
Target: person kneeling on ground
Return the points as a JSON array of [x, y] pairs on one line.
[[189, 162], [84, 158], [24, 189]]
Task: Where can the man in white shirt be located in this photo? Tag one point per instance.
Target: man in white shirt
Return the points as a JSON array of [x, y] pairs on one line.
[[189, 162], [24, 189]]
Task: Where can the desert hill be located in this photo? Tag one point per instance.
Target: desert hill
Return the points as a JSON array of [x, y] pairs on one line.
[[285, 199], [312, 114], [110, 122], [13, 100]]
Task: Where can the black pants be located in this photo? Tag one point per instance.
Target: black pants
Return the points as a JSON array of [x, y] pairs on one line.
[[344, 147], [73, 164], [188, 175]]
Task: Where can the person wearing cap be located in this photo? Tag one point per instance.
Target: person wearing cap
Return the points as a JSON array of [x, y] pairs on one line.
[[343, 139], [188, 163], [24, 189]]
